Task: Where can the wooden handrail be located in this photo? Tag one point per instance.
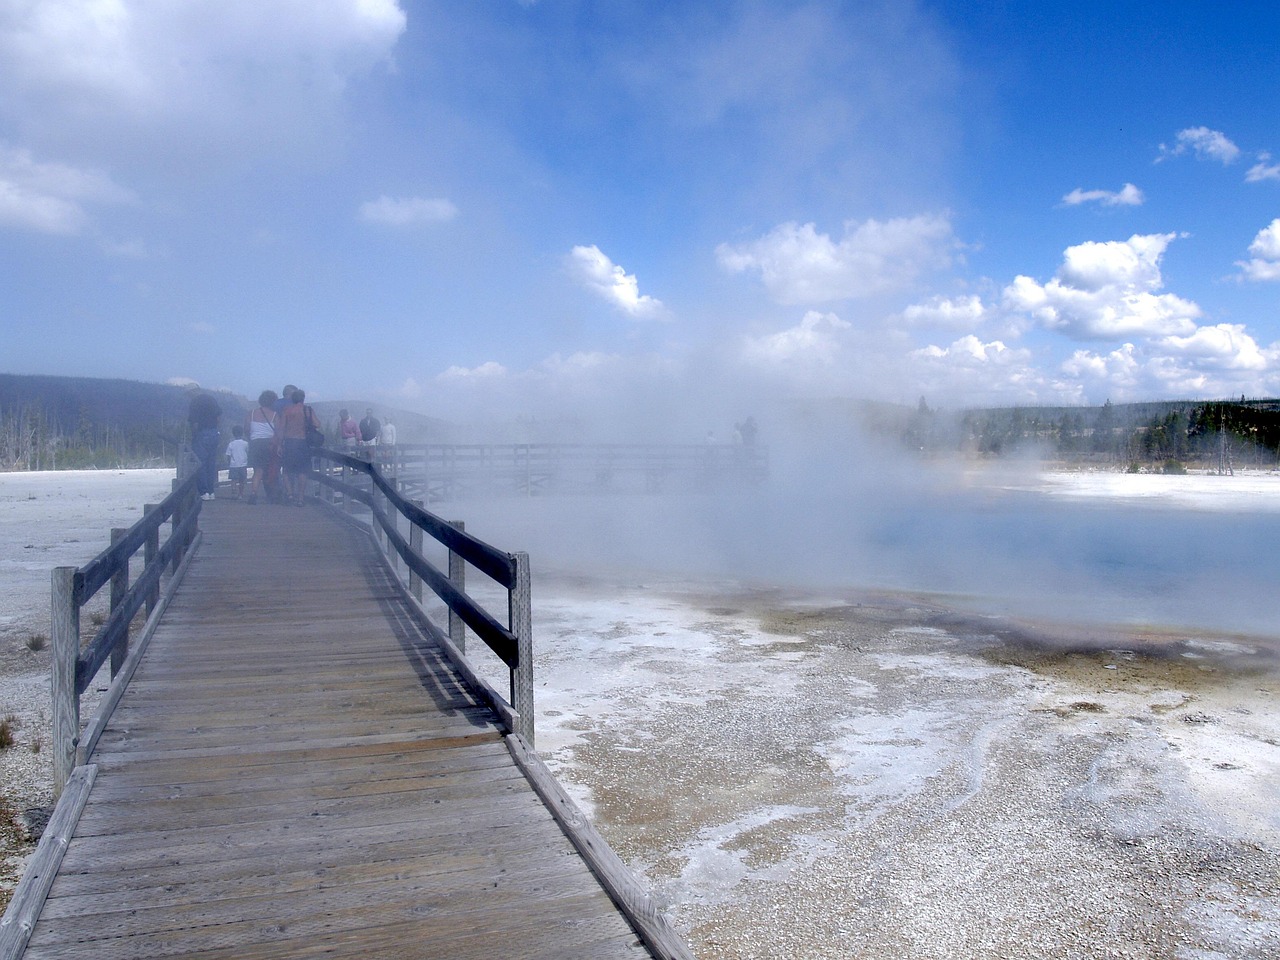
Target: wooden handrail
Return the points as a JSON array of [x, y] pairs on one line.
[[513, 643], [73, 667]]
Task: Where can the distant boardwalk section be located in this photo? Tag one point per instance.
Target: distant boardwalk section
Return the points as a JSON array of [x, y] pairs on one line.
[[448, 471]]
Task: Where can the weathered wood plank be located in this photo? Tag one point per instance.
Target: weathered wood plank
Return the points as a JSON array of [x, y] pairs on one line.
[[297, 769]]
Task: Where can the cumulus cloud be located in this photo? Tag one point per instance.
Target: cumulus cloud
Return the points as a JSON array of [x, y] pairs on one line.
[[94, 66], [1264, 169], [1206, 144], [952, 313], [799, 265], [1265, 264], [1212, 361], [815, 340], [407, 211], [1225, 346], [1126, 196], [1107, 291], [595, 271], [489, 370], [972, 351], [1119, 367], [50, 197]]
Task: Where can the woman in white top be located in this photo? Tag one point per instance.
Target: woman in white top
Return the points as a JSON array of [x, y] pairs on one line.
[[261, 426]]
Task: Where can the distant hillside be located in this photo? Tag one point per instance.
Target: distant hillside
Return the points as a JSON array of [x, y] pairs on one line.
[[49, 422]]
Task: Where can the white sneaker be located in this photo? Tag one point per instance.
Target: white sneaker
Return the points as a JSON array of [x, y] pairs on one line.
[[206, 496]]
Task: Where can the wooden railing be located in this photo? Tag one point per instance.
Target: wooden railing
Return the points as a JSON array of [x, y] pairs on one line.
[[74, 666], [343, 478]]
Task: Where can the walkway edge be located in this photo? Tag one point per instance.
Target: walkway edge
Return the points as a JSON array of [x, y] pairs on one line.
[[89, 739], [28, 899], [479, 686], [615, 876]]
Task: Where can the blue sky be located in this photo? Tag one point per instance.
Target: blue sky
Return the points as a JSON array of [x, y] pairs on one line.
[[572, 207]]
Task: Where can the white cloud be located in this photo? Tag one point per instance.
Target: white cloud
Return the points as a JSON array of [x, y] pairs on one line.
[[1225, 346], [1205, 143], [486, 371], [1265, 248], [1119, 368], [590, 267], [50, 197], [952, 313], [799, 265], [815, 340], [1221, 360], [1107, 291], [407, 211], [1126, 196], [92, 68], [970, 351], [1263, 170]]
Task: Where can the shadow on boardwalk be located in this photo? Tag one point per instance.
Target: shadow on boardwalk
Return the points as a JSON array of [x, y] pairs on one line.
[[295, 771]]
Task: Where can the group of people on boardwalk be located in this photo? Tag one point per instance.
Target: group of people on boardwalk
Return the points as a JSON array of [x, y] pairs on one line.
[[272, 442], [364, 438]]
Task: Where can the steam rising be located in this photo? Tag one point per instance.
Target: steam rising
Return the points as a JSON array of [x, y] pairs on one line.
[[840, 512]]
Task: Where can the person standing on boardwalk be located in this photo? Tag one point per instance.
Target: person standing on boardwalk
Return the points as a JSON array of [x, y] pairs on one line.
[[238, 460], [203, 415], [261, 426], [348, 431], [295, 455], [369, 429], [275, 489], [387, 443]]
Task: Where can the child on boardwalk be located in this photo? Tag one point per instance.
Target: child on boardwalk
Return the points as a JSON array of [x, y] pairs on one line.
[[238, 461]]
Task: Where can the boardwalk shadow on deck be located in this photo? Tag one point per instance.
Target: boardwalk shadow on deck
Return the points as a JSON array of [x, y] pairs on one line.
[[421, 647], [296, 771]]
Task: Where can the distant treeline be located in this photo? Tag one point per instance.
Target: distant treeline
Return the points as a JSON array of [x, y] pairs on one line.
[[67, 423], [59, 423], [1137, 435]]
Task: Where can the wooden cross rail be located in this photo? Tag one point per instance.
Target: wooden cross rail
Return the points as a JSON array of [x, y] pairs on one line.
[[73, 667], [294, 760], [513, 643]]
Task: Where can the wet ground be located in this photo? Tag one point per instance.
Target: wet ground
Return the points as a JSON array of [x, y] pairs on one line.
[[881, 777]]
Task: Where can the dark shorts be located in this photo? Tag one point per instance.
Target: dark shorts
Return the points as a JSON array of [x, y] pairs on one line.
[[296, 456], [238, 473], [260, 453]]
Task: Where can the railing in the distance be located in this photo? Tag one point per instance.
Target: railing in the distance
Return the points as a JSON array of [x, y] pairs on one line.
[[512, 643], [75, 667]]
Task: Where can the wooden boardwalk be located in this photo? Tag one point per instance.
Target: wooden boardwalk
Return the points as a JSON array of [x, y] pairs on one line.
[[296, 771]]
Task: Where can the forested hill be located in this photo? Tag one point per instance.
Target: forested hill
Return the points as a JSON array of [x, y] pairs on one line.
[[1166, 433], [61, 423], [49, 422]]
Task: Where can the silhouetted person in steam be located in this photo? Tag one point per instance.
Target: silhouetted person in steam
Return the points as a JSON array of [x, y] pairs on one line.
[[370, 427], [203, 415]]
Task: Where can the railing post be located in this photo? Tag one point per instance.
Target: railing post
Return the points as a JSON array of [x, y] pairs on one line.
[[175, 521], [393, 517], [64, 624], [415, 544], [520, 612], [375, 503], [458, 577], [149, 551], [119, 587]]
